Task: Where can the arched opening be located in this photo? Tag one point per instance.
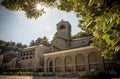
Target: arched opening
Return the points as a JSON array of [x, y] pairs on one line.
[[68, 64], [49, 65], [80, 63], [58, 64], [93, 62], [62, 27]]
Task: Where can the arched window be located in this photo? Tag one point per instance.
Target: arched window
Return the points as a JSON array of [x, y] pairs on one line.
[[93, 61], [80, 63], [26, 57], [83, 42], [30, 57], [58, 64], [68, 64], [23, 58], [49, 65], [62, 27], [27, 53]]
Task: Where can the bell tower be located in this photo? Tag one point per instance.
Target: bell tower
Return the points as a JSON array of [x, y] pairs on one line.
[[64, 30], [62, 37]]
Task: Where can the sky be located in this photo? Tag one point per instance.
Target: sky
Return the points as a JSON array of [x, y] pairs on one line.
[[14, 26]]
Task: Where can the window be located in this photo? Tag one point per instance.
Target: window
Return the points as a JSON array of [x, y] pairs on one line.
[[49, 65], [62, 27], [30, 57], [93, 61], [58, 64], [26, 57], [68, 64], [83, 42], [80, 63]]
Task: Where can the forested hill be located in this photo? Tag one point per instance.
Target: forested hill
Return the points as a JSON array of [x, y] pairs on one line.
[[8, 46]]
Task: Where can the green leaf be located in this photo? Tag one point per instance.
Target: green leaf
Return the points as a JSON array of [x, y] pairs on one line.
[[106, 36], [104, 26], [91, 2]]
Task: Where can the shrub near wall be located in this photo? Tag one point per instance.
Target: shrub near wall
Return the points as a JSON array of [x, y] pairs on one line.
[[18, 73]]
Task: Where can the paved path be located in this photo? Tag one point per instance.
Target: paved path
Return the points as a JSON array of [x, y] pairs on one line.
[[30, 77]]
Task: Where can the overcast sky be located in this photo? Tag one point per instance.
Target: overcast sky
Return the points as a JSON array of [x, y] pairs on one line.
[[14, 26]]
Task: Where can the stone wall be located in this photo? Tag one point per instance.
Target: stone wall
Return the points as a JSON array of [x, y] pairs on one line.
[[33, 58], [27, 63], [59, 43], [39, 51], [68, 60], [80, 42], [11, 64]]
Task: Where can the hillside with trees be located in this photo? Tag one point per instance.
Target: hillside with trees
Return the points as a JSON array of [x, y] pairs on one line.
[[39, 41], [8, 46]]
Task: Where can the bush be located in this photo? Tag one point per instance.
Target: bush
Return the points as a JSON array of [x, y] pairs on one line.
[[4, 73], [19, 73], [11, 73], [48, 75], [29, 73]]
